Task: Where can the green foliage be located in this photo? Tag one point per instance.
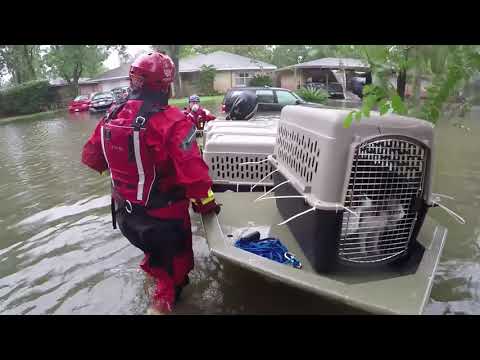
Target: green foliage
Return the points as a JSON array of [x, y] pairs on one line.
[[71, 62], [374, 96], [23, 62], [206, 79], [450, 66], [313, 95], [261, 80], [27, 98]]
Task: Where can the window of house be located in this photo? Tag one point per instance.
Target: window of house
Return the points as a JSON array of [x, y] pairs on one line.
[[242, 79], [265, 96], [286, 98]]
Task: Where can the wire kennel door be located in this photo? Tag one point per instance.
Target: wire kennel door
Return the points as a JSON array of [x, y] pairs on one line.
[[385, 184]]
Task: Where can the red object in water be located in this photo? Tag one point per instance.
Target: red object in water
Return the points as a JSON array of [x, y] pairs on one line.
[[80, 103]]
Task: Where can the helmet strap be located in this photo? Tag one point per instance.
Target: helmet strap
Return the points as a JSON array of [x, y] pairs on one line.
[[159, 98]]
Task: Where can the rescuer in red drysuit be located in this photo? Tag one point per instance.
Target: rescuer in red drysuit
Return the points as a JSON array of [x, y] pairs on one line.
[[156, 170], [196, 113]]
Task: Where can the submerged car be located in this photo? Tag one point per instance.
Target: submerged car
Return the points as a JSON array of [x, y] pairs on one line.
[[80, 103], [102, 101], [269, 98]]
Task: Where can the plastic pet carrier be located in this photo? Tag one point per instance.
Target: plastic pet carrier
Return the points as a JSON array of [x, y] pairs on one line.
[[237, 156], [360, 193], [263, 127]]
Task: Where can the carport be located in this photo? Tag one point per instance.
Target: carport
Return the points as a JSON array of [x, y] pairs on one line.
[[325, 71]]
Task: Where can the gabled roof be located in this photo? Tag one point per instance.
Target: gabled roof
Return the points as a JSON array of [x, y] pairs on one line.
[[61, 82], [222, 60], [331, 63], [120, 72]]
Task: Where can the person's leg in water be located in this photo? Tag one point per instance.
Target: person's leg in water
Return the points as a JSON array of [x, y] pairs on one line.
[[163, 298], [169, 288], [168, 254], [183, 262]]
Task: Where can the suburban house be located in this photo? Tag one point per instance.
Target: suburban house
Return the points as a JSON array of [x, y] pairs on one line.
[[85, 85], [326, 70], [110, 79], [63, 91], [231, 70]]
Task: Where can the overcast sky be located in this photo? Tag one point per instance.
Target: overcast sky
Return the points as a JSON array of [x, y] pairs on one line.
[[113, 61]]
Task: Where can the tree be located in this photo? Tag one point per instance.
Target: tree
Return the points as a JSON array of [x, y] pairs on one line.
[[188, 50], [449, 66], [257, 52], [123, 55], [71, 62], [22, 62], [206, 80], [285, 55]]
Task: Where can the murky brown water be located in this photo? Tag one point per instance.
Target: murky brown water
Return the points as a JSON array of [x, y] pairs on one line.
[[60, 255]]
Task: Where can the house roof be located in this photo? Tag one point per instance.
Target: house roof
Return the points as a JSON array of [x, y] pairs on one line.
[[330, 63], [120, 72], [61, 82], [221, 60]]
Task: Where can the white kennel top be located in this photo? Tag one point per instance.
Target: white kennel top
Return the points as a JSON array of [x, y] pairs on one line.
[[315, 151]]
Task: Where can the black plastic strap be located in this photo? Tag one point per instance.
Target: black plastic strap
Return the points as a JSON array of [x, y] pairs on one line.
[[143, 115], [113, 114], [114, 215]]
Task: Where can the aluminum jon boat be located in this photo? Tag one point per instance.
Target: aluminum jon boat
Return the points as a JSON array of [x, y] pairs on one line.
[[350, 203], [379, 292]]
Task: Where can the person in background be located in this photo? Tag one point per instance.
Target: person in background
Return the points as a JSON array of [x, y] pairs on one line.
[[156, 171], [196, 113]]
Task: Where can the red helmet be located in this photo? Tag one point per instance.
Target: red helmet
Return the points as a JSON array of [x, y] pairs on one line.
[[154, 71]]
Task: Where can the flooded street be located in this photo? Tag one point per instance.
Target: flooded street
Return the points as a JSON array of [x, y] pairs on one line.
[[60, 255]]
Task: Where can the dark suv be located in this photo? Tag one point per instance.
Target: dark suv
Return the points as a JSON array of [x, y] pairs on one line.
[[269, 98], [102, 101]]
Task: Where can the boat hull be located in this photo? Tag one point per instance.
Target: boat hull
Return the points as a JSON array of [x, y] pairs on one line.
[[388, 290]]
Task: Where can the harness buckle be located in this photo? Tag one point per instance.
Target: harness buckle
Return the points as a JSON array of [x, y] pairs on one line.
[[128, 206], [140, 121]]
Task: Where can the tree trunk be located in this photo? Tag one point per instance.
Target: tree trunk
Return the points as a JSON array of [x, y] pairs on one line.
[[417, 82], [401, 83], [402, 76], [174, 53], [76, 76], [28, 59]]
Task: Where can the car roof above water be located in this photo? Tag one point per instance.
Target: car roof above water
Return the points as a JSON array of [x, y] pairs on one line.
[[257, 88]]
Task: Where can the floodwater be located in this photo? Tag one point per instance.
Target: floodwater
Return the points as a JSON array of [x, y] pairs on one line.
[[60, 255]]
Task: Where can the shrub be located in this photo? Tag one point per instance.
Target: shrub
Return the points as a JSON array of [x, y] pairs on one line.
[[206, 79], [261, 80], [27, 98], [313, 95]]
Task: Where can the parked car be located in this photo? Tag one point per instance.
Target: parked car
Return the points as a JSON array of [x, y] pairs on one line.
[[80, 103], [269, 98], [102, 101]]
